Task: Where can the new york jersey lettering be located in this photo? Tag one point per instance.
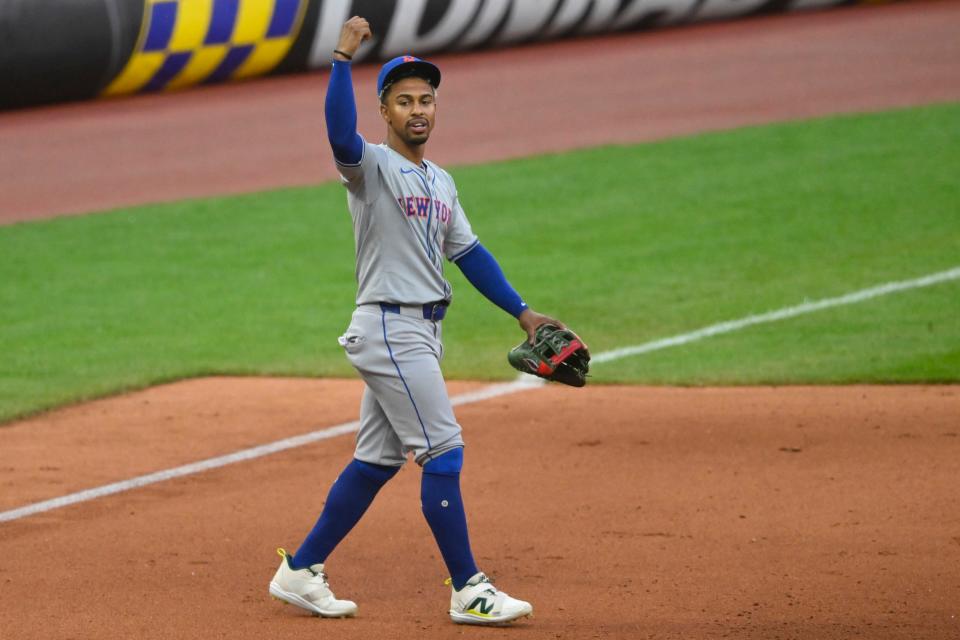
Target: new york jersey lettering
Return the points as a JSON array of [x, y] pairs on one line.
[[419, 207], [400, 257]]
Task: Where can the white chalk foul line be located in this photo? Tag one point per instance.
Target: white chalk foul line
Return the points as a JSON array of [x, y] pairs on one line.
[[485, 393], [178, 472], [780, 314], [490, 391]]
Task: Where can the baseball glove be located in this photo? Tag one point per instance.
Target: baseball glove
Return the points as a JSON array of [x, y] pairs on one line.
[[556, 354]]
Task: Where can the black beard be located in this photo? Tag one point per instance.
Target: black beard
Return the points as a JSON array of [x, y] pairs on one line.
[[415, 142]]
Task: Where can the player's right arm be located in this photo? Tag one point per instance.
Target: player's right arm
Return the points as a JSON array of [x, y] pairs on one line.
[[340, 107]]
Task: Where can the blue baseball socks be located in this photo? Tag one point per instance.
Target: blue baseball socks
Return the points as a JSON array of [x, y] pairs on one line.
[[347, 501], [443, 508], [442, 504]]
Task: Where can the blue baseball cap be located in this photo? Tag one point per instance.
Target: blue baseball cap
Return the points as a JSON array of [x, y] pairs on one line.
[[406, 67]]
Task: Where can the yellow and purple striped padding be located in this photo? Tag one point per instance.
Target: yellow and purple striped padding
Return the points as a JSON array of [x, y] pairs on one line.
[[187, 42]]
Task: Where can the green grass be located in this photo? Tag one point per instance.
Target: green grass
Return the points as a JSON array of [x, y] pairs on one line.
[[626, 244]]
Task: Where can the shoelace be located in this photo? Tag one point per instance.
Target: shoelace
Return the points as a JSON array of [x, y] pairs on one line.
[[492, 590], [321, 575]]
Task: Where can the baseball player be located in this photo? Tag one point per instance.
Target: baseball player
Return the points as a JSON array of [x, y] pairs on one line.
[[407, 219]]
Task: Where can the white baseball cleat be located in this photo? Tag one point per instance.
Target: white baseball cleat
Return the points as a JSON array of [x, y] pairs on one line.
[[308, 589], [479, 602]]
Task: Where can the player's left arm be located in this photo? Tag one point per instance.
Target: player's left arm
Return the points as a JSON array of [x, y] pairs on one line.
[[483, 271]]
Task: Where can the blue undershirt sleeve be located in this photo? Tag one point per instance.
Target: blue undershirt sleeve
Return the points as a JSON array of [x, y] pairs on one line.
[[340, 110], [484, 273]]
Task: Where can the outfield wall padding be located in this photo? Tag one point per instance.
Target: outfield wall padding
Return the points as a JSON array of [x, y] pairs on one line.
[[57, 50], [54, 50]]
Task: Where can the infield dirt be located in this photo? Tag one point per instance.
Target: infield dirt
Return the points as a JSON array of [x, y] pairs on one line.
[[620, 512]]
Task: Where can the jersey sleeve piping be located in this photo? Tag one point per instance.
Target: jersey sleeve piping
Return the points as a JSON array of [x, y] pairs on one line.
[[473, 245], [363, 152]]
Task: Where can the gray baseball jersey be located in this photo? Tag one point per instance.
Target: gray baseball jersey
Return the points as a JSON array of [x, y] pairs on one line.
[[407, 220]]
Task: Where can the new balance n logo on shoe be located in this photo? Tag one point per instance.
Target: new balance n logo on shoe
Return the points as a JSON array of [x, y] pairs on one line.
[[487, 606], [480, 606]]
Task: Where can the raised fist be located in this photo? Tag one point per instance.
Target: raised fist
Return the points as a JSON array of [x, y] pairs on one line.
[[355, 30]]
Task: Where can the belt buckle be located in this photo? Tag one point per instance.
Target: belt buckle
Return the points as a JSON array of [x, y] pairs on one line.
[[437, 311]]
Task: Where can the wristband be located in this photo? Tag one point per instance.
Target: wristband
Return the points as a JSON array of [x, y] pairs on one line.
[[345, 55]]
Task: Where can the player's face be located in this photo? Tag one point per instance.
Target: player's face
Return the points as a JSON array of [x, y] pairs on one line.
[[410, 110]]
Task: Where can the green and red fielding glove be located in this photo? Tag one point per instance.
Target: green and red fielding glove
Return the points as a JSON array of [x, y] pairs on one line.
[[556, 354]]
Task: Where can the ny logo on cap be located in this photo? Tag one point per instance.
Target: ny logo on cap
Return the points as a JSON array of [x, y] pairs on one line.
[[409, 59]]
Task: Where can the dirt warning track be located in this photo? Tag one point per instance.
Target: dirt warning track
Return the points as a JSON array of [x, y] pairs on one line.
[[270, 133]]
